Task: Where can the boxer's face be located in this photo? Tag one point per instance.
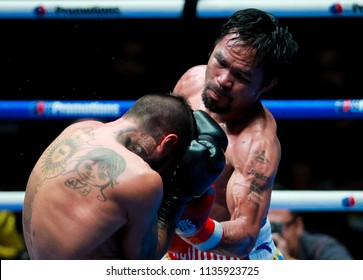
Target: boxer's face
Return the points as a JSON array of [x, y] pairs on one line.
[[233, 78], [291, 228], [91, 172]]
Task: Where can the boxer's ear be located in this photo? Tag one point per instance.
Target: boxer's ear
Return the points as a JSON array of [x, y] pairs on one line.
[[169, 141], [268, 86]]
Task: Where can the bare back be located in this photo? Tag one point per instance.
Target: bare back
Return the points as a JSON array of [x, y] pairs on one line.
[[243, 191], [90, 197]]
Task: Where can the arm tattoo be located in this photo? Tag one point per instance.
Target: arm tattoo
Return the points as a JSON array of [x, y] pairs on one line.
[[256, 188], [255, 194], [258, 175], [261, 157]]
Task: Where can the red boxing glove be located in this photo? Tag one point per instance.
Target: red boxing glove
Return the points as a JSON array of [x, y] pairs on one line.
[[196, 228]]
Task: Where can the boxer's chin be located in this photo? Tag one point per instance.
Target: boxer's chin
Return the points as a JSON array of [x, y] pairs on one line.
[[212, 104]]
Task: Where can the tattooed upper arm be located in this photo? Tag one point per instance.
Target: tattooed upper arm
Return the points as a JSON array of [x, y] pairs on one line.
[[255, 165]]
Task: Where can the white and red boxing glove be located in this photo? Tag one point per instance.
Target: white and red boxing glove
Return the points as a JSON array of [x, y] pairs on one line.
[[196, 228]]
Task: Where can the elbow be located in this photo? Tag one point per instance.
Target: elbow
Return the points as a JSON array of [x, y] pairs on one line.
[[244, 247], [238, 248]]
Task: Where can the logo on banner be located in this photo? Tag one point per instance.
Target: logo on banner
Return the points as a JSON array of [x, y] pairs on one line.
[[337, 9], [39, 11], [76, 109], [348, 105], [77, 11]]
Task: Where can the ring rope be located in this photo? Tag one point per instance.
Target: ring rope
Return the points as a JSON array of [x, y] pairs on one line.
[[294, 200], [92, 9], [281, 109]]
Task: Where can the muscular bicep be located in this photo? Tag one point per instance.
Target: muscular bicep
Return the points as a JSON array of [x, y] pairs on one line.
[[249, 188], [253, 164]]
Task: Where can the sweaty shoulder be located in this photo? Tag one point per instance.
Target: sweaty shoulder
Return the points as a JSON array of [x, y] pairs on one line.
[[82, 124], [196, 70], [152, 184], [259, 144], [191, 81]]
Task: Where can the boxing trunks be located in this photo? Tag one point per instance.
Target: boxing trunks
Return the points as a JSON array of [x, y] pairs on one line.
[[264, 249]]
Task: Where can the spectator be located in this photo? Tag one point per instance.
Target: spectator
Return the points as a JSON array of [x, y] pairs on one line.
[[12, 245], [296, 243]]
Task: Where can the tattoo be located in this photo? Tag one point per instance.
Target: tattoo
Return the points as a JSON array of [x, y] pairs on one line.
[[261, 157], [256, 187], [99, 168], [54, 162], [136, 147], [255, 198], [258, 175], [137, 142], [78, 185], [55, 158], [256, 192]]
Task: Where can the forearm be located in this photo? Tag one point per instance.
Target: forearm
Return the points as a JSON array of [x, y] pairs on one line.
[[235, 243], [165, 235], [169, 215], [220, 238]]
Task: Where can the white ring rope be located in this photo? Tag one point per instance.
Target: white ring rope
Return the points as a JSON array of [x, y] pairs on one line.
[[318, 200], [95, 9], [294, 200]]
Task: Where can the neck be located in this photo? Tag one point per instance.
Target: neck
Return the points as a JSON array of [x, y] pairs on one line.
[[237, 121]]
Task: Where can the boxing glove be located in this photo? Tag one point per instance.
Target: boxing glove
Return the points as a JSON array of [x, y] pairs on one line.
[[200, 166], [196, 228], [207, 237], [196, 214]]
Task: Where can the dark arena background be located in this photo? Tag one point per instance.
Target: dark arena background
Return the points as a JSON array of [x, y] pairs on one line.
[[115, 50]]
